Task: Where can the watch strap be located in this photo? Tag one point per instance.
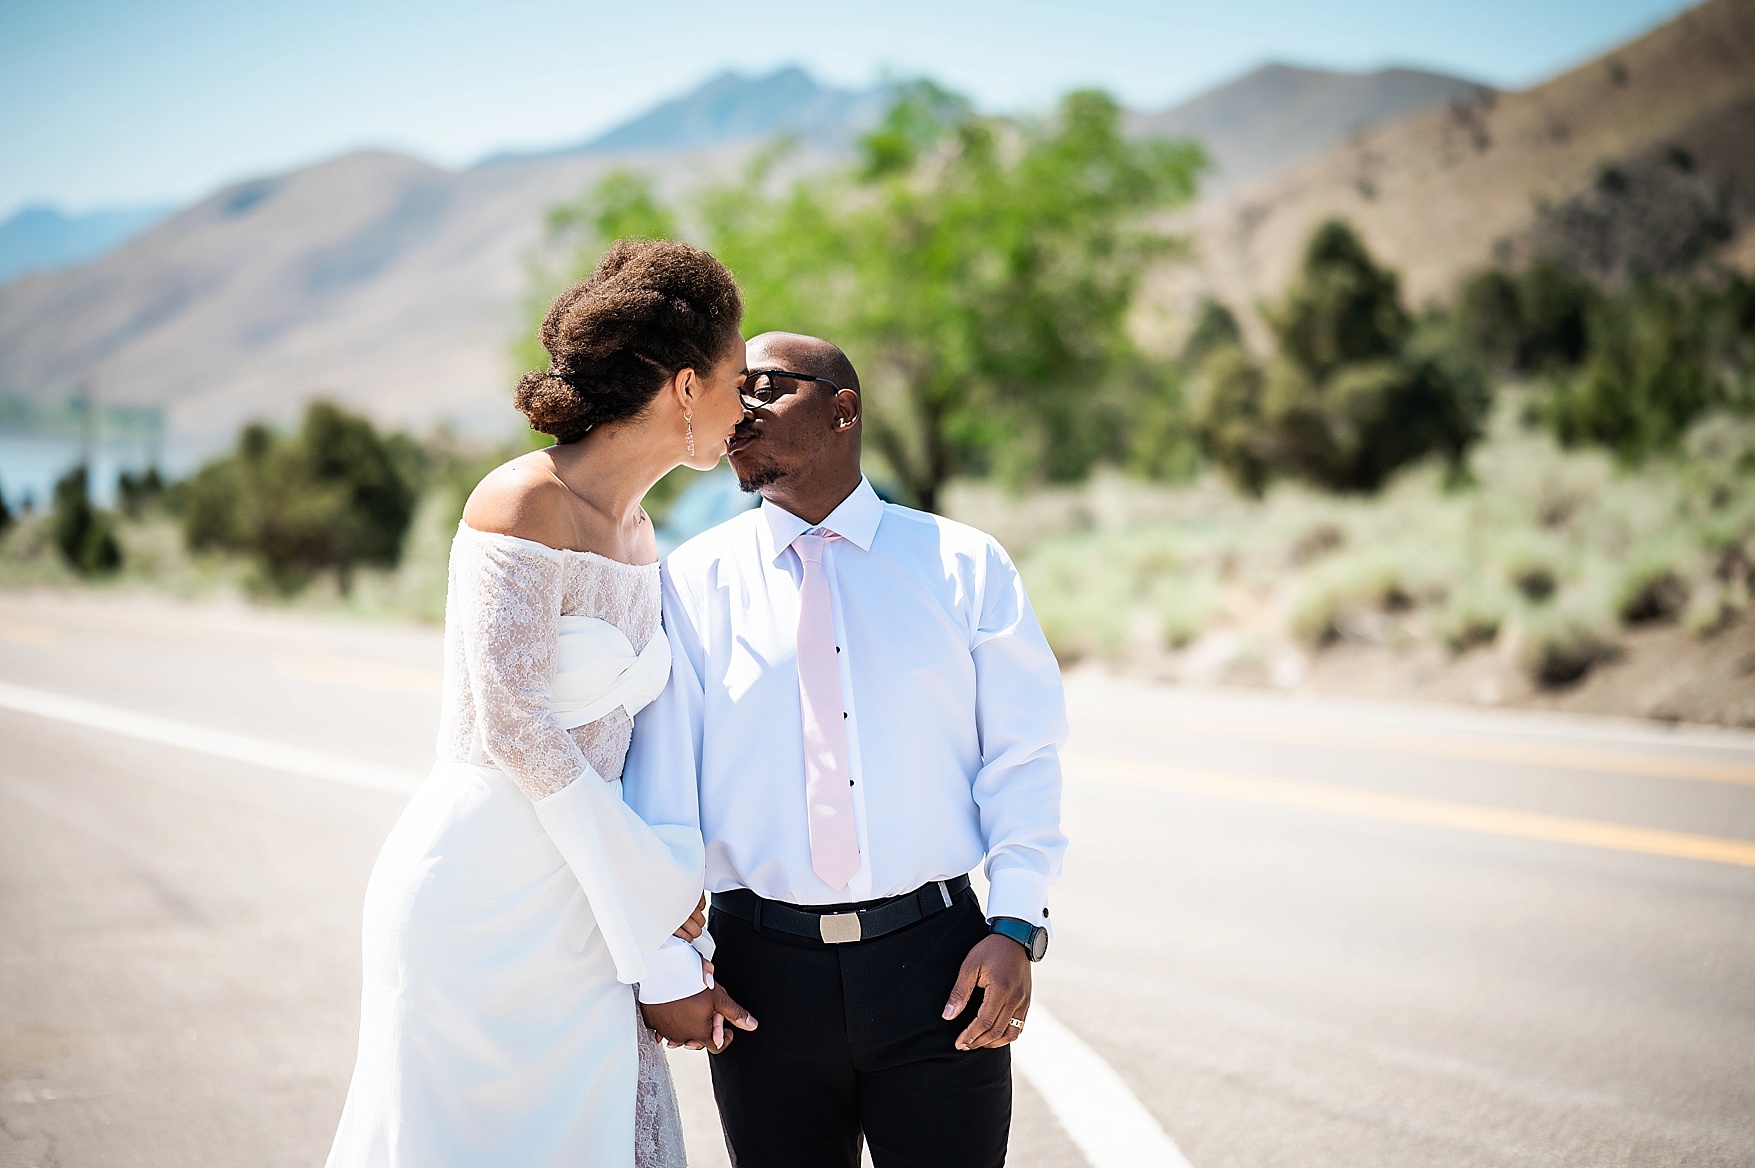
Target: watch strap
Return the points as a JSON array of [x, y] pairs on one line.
[[1023, 933]]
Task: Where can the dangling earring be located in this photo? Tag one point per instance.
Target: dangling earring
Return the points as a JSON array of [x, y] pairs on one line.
[[689, 433]]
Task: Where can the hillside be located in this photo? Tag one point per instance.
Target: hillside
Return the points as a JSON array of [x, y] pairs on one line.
[[1279, 115], [373, 278], [1642, 157]]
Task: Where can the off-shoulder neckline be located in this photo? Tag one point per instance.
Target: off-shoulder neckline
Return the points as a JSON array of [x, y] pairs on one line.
[[536, 543]]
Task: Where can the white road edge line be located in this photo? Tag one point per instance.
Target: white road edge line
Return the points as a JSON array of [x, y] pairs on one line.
[[244, 748], [1094, 1105]]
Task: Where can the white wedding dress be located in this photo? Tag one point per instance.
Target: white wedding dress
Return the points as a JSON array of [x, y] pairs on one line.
[[518, 897]]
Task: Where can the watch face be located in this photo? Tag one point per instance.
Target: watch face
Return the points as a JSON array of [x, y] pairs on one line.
[[1038, 944]]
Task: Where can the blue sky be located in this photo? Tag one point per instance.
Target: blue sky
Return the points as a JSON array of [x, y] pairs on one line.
[[107, 102]]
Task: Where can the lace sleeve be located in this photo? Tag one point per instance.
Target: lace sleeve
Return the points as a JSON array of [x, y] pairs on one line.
[[510, 606]]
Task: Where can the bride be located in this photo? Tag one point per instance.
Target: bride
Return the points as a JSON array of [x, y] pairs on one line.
[[518, 898]]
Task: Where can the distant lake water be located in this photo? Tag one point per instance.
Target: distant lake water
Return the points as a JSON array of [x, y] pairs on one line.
[[30, 464]]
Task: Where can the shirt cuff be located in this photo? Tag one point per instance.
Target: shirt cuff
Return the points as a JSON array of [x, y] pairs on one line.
[[672, 973], [1020, 893]]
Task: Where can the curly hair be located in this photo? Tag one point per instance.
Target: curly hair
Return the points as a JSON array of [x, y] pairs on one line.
[[651, 308]]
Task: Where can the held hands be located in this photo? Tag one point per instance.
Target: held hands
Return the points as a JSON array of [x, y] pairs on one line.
[[1001, 969], [698, 1022], [697, 922]]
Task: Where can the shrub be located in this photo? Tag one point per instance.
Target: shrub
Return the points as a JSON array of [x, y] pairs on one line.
[[1353, 395], [1535, 581], [1533, 322], [1648, 376], [1651, 592], [1472, 617], [139, 493], [1712, 610], [85, 536], [1339, 592], [1184, 604], [334, 495], [1560, 648], [1489, 319]]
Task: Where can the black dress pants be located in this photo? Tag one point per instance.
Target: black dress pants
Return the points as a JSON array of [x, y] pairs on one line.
[[851, 1041]]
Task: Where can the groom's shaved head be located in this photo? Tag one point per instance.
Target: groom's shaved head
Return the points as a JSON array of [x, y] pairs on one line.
[[804, 354], [801, 450]]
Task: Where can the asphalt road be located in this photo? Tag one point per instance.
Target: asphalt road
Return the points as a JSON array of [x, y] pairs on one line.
[[1304, 933]]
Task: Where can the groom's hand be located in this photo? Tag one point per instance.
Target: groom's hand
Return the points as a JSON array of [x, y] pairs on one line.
[[1001, 969], [699, 1021]]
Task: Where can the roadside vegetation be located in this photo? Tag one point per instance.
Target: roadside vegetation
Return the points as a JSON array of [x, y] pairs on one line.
[[1547, 555]]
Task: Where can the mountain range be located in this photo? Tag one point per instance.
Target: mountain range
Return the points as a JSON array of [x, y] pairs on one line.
[[43, 239], [1279, 115], [395, 286], [733, 108]]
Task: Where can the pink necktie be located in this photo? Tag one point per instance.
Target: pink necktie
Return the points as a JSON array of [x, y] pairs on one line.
[[834, 840]]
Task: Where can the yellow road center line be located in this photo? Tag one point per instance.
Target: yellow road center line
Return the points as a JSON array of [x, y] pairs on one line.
[[1488, 749], [1532, 825]]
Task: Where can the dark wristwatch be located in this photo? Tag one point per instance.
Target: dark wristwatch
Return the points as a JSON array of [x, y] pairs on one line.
[[1033, 938]]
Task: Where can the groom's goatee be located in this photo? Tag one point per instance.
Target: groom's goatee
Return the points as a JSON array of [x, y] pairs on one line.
[[757, 479]]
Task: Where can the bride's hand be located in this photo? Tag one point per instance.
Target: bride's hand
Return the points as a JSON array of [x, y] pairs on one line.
[[697, 921]]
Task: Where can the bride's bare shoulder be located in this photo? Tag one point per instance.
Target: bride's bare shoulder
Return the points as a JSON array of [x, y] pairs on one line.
[[524, 499]]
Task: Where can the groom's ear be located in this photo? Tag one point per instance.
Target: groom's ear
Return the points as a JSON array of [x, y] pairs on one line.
[[846, 410]]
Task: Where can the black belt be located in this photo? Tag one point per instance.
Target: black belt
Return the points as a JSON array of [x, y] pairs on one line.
[[833, 925]]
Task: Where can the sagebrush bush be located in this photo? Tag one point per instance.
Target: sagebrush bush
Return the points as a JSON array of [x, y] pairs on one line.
[[1473, 615], [1559, 646]]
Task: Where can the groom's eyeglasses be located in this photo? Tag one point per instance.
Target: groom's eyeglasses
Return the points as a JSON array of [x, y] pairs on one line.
[[762, 386]]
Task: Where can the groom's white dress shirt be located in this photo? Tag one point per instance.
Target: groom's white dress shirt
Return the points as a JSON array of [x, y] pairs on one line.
[[954, 714]]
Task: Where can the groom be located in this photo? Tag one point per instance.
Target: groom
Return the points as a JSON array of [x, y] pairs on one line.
[[862, 709]]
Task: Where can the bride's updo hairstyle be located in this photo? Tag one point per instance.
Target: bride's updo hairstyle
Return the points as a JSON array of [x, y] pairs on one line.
[[652, 308]]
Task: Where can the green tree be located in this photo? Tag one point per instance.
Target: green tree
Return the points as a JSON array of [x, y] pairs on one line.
[[85, 536], [1648, 374], [980, 271], [1341, 309], [336, 494], [1226, 407], [1536, 321], [1354, 392]]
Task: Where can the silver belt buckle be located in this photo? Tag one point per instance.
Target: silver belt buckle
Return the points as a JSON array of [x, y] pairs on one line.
[[838, 928]]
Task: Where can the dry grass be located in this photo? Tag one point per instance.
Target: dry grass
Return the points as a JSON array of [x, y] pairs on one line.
[[1549, 555]]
